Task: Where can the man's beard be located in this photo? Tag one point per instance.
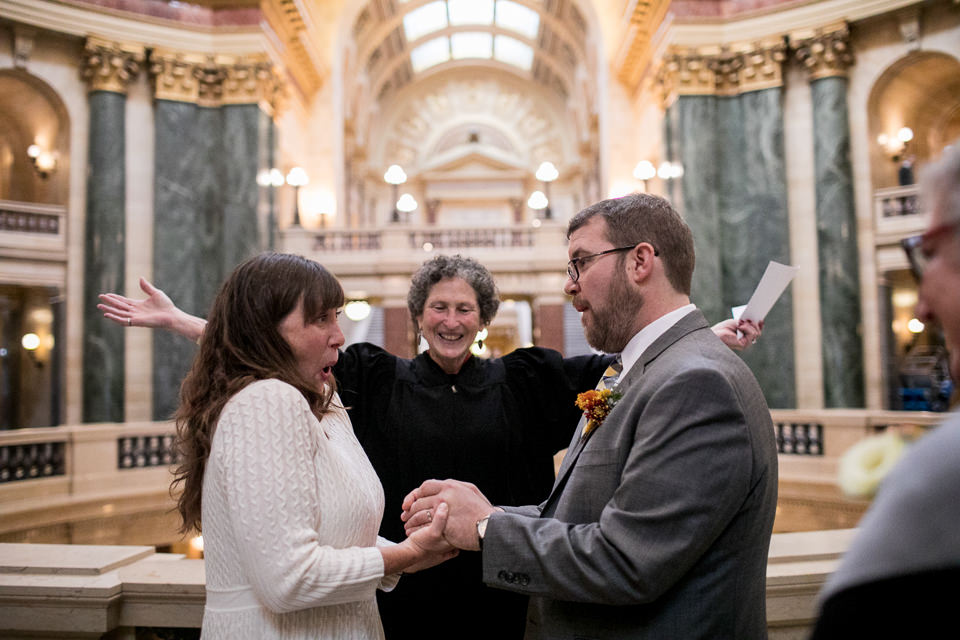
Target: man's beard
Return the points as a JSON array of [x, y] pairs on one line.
[[615, 323]]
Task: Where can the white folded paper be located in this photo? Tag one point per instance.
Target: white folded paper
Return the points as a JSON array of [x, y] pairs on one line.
[[772, 285]]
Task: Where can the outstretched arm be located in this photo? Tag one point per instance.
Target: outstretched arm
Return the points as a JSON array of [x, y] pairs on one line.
[[727, 331], [157, 311]]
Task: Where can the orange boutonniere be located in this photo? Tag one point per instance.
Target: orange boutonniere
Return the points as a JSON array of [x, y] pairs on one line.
[[595, 406]]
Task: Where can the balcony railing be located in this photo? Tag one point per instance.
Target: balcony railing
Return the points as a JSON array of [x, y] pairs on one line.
[[401, 248], [29, 230], [60, 591]]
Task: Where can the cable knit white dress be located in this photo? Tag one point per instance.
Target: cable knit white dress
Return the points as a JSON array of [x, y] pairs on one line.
[[291, 509]]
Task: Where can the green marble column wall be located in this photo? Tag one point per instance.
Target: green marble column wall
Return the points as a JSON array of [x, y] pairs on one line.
[[240, 161], [694, 142], [205, 217], [755, 228], [104, 258], [735, 201], [837, 246]]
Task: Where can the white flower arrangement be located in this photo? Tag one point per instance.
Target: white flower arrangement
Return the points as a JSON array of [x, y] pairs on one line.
[[866, 463]]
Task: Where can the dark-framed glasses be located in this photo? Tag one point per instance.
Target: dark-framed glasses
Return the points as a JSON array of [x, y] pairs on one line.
[[573, 267], [920, 248]]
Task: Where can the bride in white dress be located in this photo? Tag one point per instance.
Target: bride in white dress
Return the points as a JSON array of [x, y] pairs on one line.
[[289, 503]]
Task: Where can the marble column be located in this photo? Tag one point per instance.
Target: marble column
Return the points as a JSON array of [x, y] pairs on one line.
[[240, 158], [209, 139], [725, 126], [108, 68], [826, 56], [754, 229], [695, 141]]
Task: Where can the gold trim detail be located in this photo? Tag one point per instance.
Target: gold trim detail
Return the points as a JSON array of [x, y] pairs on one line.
[[212, 81], [638, 42], [727, 70], [825, 51], [110, 66]]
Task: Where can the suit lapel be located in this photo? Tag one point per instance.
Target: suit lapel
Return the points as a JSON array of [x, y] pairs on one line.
[[693, 321]]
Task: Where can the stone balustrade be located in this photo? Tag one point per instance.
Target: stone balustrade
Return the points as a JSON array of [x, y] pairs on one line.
[[400, 248], [33, 231], [108, 485], [81, 591]]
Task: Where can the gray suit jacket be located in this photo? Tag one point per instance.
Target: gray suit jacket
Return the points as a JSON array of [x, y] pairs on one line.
[[658, 525]]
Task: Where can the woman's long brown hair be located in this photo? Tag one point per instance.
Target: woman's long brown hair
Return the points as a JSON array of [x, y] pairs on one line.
[[242, 344]]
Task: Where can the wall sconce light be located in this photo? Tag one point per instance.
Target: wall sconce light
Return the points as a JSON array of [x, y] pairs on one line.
[[395, 176], [895, 145], [547, 173], [31, 342], [44, 162]]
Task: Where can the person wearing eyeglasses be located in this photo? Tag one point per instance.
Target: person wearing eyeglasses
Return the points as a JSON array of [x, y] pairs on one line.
[[495, 422], [899, 578], [659, 522]]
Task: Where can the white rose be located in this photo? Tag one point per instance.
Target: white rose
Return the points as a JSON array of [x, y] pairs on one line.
[[866, 463]]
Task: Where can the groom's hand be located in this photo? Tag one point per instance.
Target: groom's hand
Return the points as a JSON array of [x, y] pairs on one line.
[[467, 505]]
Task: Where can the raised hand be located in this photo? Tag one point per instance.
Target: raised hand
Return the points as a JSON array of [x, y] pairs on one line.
[[156, 311]]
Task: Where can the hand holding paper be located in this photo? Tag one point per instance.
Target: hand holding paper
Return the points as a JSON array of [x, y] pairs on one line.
[[772, 285]]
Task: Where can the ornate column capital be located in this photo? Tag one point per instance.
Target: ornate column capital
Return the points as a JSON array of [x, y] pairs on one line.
[[212, 81], [722, 70], [110, 66], [824, 51]]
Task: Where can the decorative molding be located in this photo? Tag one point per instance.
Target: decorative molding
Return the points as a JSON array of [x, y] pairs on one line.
[[215, 80], [110, 66], [23, 38], [86, 20], [644, 19], [800, 16], [289, 22], [825, 52], [724, 70]]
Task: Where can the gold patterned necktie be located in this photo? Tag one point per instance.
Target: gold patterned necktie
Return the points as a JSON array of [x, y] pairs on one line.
[[608, 381]]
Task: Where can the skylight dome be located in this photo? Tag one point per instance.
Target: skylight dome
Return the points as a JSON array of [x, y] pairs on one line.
[[471, 44], [426, 19], [470, 12], [452, 15], [512, 51], [518, 18], [430, 53]]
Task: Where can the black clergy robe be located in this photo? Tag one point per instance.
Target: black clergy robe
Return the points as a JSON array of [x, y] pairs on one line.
[[497, 424]]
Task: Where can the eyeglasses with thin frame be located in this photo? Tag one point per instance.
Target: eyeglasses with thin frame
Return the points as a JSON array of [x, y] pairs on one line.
[[920, 248], [573, 267]]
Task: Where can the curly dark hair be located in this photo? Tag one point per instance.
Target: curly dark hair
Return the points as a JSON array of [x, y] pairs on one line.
[[440, 267], [242, 344]]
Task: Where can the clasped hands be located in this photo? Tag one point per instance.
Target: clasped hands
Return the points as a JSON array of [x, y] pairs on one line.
[[466, 505]]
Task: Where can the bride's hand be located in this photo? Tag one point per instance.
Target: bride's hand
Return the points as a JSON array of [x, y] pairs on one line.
[[156, 311], [430, 543]]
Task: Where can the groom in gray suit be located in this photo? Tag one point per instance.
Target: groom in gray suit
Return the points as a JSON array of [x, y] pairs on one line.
[[659, 522]]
